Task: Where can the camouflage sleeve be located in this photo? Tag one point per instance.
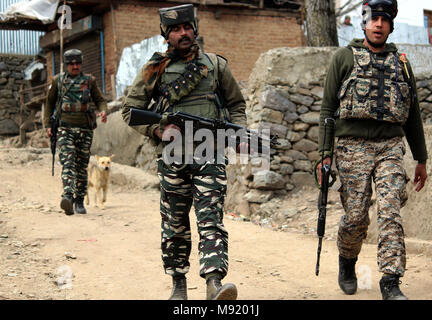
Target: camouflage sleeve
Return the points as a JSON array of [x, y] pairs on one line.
[[139, 97], [235, 102], [51, 101], [413, 127], [97, 95]]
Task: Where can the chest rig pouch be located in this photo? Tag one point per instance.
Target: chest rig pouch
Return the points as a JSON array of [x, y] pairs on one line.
[[190, 87], [78, 96], [375, 89]]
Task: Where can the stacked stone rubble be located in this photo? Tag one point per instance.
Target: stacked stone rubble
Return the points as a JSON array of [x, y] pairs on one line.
[[424, 93], [285, 95], [11, 78]]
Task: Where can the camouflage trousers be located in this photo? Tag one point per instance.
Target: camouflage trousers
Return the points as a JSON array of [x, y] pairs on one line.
[[360, 161], [204, 186], [74, 153]]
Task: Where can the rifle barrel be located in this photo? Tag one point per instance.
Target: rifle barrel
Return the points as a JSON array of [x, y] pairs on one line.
[[146, 117], [318, 256]]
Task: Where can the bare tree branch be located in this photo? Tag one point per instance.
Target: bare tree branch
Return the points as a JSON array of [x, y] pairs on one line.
[[348, 7]]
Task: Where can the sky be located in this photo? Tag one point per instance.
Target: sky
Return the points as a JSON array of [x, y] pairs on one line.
[[410, 11]]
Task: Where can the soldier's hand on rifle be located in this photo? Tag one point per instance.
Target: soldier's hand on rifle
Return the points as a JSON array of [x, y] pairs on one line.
[[420, 176], [170, 132], [103, 116], [243, 148], [49, 132], [325, 161]]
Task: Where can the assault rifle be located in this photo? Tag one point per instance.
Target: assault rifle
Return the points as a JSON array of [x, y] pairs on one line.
[[326, 183], [144, 117], [54, 121]]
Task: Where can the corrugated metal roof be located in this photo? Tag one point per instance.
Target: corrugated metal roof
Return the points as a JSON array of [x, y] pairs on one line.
[[19, 41]]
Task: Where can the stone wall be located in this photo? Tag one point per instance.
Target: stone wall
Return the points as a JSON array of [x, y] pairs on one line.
[[284, 95], [11, 78], [424, 93]]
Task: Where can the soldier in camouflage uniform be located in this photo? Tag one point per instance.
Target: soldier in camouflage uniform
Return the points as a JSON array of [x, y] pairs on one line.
[[69, 97], [184, 78], [370, 90]]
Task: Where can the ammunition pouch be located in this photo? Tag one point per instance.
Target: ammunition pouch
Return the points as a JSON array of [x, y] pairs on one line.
[[185, 83], [91, 117]]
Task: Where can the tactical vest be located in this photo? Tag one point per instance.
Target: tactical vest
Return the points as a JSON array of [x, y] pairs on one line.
[[190, 88], [376, 89], [77, 97]]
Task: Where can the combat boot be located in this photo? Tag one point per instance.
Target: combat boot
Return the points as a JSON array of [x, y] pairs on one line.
[[79, 206], [347, 278], [66, 204], [217, 291], [389, 285], [179, 291]]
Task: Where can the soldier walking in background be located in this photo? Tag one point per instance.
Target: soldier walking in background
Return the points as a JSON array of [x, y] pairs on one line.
[[186, 79], [371, 92], [69, 99]]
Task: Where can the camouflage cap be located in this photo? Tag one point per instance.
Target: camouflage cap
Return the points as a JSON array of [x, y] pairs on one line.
[[72, 55], [177, 15]]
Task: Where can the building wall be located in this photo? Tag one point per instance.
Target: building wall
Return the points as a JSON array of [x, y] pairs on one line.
[[50, 65], [236, 35]]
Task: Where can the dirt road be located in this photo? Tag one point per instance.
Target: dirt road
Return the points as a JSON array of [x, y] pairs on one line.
[[115, 253]]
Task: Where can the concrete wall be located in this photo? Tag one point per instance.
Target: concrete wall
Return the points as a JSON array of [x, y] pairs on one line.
[[420, 57]]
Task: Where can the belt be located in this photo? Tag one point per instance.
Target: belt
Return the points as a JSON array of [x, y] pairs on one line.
[[70, 125]]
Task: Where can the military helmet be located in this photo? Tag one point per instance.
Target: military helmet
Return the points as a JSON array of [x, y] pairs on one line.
[[172, 16], [72, 55], [385, 8]]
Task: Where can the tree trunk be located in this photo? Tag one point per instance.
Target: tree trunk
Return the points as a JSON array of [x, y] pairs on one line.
[[321, 23]]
